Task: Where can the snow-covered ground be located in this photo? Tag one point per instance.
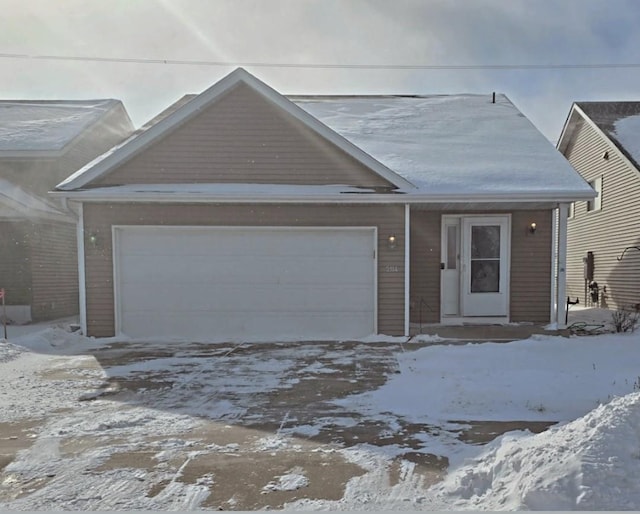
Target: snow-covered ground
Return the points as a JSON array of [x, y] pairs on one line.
[[589, 460]]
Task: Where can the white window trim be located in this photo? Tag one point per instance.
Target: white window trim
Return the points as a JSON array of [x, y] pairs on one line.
[[596, 184]]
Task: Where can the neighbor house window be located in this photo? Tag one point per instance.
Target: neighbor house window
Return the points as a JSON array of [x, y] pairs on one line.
[[595, 204]]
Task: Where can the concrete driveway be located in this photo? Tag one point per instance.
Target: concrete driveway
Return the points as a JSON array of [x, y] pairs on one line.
[[216, 426]]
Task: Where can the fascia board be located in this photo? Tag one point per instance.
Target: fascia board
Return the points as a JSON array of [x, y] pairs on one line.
[[169, 197], [567, 129]]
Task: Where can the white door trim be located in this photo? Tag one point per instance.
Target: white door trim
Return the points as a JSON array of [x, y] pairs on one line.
[[461, 218], [116, 230], [446, 221]]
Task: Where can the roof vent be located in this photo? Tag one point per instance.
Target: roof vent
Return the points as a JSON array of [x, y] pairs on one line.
[[493, 100]]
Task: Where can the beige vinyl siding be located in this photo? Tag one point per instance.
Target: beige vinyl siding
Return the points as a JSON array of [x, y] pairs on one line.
[[425, 266], [99, 218], [15, 267], [243, 138], [605, 232], [530, 278], [531, 266], [54, 270]]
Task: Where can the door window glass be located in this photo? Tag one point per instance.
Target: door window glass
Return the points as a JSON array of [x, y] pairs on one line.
[[485, 259], [452, 246]]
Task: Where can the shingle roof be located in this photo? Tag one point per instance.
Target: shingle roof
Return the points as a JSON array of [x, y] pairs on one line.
[[46, 126]]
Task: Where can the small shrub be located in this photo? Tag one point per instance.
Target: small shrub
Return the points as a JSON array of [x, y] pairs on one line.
[[625, 319]]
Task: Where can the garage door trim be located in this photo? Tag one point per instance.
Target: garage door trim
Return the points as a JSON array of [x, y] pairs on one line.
[[116, 230]]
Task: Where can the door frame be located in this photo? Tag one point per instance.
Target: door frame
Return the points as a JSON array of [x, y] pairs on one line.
[[460, 319]]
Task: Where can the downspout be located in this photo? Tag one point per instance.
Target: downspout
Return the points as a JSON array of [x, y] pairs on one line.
[[67, 207], [82, 297], [407, 270], [553, 318], [563, 214]]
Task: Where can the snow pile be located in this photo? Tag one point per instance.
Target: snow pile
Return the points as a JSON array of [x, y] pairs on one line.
[[592, 463], [8, 351], [53, 337]]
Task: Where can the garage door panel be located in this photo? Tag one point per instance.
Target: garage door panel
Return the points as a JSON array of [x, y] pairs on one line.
[[168, 270], [160, 241], [299, 299], [195, 271], [246, 282], [240, 327]]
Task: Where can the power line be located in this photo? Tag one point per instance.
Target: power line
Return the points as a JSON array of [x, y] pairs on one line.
[[180, 62]]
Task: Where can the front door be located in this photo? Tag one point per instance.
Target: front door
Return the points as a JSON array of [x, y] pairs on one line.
[[475, 266]]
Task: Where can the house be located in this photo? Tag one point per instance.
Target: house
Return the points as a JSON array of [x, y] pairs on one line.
[[243, 213], [41, 143], [601, 140]]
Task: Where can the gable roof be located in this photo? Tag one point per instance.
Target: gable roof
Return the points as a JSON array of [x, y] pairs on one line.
[[45, 128], [620, 122], [190, 107], [456, 148], [453, 144]]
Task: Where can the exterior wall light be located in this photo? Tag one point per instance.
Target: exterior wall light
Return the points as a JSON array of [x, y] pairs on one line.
[[93, 239], [391, 241], [533, 227]]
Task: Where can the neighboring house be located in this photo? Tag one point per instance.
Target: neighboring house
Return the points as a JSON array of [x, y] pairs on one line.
[[41, 143], [601, 140], [244, 214]]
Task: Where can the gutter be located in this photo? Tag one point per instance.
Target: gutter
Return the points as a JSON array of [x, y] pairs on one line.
[[363, 198]]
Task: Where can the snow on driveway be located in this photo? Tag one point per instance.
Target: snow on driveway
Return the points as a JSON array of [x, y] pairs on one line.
[[318, 426]]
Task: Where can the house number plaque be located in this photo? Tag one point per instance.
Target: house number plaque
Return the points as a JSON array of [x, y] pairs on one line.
[[391, 269]]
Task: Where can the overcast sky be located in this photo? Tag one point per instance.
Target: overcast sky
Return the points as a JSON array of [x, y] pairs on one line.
[[412, 32]]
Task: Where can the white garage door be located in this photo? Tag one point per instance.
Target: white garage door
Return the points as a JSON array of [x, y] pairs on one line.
[[206, 283]]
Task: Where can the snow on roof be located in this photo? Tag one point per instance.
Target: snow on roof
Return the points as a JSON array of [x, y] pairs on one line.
[[619, 122], [627, 132], [46, 126], [451, 144]]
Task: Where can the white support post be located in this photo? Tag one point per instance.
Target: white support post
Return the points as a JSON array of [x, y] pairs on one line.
[[553, 318], [407, 263], [563, 214], [82, 297]]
